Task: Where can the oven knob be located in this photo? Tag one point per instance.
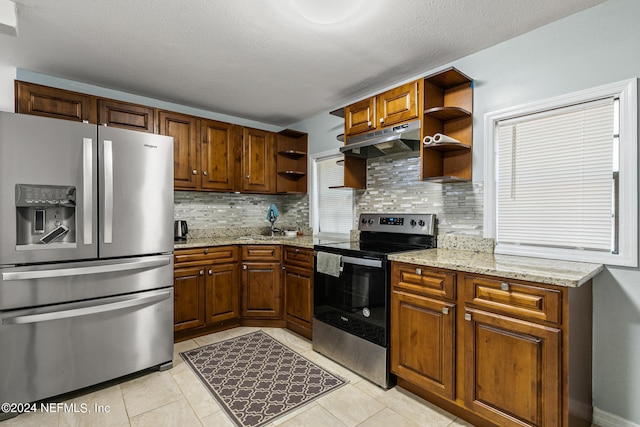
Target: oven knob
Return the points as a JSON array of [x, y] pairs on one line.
[[370, 221], [421, 223], [413, 222], [364, 221]]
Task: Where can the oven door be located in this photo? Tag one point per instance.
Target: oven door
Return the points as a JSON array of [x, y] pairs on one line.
[[357, 300]]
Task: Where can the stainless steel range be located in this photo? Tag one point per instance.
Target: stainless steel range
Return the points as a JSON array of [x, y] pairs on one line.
[[352, 291]]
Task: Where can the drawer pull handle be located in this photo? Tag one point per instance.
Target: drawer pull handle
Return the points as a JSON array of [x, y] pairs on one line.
[[445, 310], [467, 317], [419, 271], [504, 286], [206, 251]]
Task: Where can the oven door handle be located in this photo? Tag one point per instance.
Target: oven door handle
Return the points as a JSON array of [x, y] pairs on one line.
[[376, 263]]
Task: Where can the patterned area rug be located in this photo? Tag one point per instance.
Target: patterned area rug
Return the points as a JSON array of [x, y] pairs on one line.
[[256, 379]]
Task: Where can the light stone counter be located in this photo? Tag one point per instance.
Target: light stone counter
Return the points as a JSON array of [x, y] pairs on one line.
[[552, 272], [202, 242]]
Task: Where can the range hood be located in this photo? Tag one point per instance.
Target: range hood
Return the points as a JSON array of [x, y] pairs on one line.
[[397, 139]]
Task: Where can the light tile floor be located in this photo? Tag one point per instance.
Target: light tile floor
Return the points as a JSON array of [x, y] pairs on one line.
[[177, 398]]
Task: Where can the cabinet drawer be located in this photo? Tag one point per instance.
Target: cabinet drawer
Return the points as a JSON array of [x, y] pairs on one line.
[[298, 256], [218, 254], [423, 280], [514, 299], [261, 253]]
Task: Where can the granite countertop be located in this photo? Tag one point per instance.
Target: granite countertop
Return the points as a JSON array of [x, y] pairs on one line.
[[301, 242], [552, 272]]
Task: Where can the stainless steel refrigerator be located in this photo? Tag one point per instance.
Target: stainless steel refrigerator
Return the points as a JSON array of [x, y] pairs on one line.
[[86, 264]]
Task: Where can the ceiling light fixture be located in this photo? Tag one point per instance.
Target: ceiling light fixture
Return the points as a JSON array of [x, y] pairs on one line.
[[327, 12], [8, 18]]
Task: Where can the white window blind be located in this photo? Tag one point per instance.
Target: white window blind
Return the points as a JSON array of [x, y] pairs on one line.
[[335, 206], [555, 178]]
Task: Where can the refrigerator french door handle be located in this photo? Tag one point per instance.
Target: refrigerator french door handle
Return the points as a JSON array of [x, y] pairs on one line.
[[80, 271], [87, 189], [91, 308], [108, 191]]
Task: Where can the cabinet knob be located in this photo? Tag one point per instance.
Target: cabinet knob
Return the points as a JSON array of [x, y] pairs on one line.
[[205, 173], [467, 317], [369, 124], [206, 251], [419, 271], [202, 272], [283, 267], [297, 250], [381, 120], [445, 310], [504, 286], [247, 176], [244, 266], [210, 272], [194, 172]]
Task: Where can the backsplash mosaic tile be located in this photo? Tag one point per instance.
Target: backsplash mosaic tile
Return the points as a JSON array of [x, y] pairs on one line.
[[204, 210], [394, 186]]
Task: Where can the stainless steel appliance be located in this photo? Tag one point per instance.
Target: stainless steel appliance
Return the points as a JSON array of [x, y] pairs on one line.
[[86, 266], [180, 230], [352, 291], [397, 139]]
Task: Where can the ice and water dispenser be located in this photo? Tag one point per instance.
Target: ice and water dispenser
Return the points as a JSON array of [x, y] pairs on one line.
[[45, 216]]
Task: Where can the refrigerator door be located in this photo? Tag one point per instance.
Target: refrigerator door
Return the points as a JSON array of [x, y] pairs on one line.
[[45, 284], [136, 193], [48, 190], [51, 350]]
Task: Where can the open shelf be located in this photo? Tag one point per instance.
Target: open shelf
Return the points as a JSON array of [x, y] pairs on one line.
[[447, 113], [293, 174], [291, 162], [292, 154], [447, 146]]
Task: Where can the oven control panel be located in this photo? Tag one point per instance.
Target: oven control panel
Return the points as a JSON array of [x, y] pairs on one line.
[[398, 223]]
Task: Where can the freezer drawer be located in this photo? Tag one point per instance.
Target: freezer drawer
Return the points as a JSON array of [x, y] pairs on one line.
[[30, 286], [52, 350]]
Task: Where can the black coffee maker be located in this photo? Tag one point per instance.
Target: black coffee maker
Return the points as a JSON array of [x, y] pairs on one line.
[[180, 230]]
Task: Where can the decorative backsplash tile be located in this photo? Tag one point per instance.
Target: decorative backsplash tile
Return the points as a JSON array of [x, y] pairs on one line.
[[394, 186], [205, 210]]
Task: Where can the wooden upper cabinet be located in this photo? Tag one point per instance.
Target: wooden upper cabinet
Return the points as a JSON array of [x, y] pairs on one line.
[[218, 155], [125, 115], [399, 104], [185, 131], [258, 161], [47, 101], [360, 117]]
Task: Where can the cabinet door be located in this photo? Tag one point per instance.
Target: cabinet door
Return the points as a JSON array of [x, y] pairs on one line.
[[360, 117], [127, 116], [423, 342], [218, 156], [261, 293], [184, 130], [298, 291], [52, 102], [512, 370], [189, 290], [398, 105], [258, 161], [222, 293]]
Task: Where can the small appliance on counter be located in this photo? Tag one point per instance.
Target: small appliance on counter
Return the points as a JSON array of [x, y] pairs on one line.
[[180, 230]]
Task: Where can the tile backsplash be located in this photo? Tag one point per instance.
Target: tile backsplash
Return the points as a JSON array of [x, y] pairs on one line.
[[394, 186], [205, 210]]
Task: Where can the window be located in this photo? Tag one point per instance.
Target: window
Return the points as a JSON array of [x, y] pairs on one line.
[[562, 177], [332, 207]]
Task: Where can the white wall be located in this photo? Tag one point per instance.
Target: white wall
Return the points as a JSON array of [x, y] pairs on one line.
[[598, 46], [7, 75]]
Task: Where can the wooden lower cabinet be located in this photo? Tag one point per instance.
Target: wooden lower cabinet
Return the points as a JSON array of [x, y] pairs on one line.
[[502, 352], [512, 370], [423, 342], [188, 287], [206, 290], [297, 283], [261, 283]]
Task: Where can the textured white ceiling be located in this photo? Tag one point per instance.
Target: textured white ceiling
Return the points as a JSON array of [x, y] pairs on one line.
[[260, 59]]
